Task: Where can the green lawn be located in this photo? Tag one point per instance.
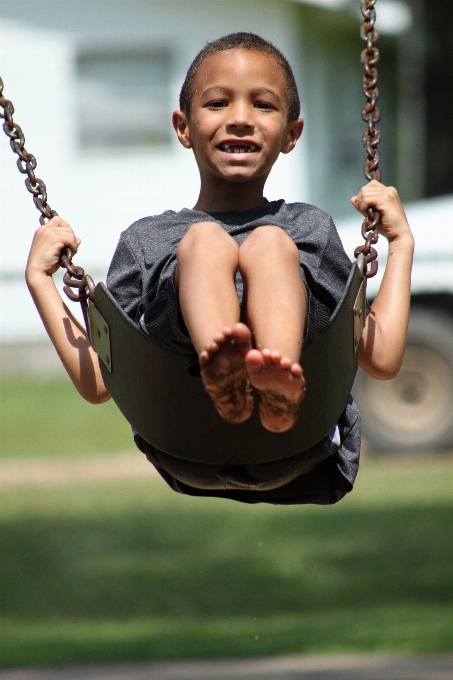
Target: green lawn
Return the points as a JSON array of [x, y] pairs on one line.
[[49, 418], [118, 570], [107, 571]]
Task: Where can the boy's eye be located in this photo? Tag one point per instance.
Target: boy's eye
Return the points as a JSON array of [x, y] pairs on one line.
[[265, 106], [216, 104]]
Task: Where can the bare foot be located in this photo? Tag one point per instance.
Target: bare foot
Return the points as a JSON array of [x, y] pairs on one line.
[[280, 386], [224, 376]]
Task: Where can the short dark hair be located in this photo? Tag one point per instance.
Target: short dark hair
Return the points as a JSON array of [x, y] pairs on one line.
[[244, 41]]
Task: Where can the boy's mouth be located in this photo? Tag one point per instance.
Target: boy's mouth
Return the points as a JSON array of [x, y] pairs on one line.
[[230, 147]]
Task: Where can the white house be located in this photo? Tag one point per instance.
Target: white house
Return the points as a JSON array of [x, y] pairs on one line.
[[94, 83]]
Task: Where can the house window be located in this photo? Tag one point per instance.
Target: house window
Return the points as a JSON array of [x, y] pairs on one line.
[[124, 99]]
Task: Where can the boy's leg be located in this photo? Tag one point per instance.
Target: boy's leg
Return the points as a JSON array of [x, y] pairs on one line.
[[275, 308], [207, 260]]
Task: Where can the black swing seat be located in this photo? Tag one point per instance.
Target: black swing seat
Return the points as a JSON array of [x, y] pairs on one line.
[[169, 408]]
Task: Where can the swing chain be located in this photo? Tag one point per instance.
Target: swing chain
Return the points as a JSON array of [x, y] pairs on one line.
[[26, 162], [371, 114]]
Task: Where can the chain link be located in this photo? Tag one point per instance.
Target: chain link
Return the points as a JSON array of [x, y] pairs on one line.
[[371, 115], [26, 162]]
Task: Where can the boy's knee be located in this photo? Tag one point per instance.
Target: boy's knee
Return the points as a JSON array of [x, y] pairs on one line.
[[198, 233], [202, 230], [203, 237], [271, 239]]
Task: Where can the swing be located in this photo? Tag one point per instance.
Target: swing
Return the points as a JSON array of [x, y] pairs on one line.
[[154, 387]]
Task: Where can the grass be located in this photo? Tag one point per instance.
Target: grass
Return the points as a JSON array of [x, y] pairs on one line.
[[128, 570], [49, 418], [106, 571]]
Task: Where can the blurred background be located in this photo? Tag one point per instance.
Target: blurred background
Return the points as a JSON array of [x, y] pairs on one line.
[[100, 561]]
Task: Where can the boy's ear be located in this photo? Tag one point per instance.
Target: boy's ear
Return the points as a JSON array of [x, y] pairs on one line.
[[293, 133], [181, 125]]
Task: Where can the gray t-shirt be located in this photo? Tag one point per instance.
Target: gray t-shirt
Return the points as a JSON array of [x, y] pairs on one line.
[[145, 258], [140, 278]]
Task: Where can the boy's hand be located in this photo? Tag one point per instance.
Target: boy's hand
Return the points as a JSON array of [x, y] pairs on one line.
[[48, 242], [386, 200]]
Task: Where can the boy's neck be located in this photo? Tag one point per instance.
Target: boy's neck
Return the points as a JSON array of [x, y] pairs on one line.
[[230, 196]]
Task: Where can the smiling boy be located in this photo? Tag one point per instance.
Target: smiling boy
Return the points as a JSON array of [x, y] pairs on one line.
[[237, 123], [240, 281]]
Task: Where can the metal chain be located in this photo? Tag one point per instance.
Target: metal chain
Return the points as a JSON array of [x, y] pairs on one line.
[[26, 162], [371, 114]]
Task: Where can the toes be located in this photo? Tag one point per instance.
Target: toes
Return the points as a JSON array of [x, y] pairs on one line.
[[212, 348], [271, 357], [285, 364], [254, 362], [203, 358], [238, 336], [274, 358], [241, 335], [296, 370], [224, 336], [266, 354]]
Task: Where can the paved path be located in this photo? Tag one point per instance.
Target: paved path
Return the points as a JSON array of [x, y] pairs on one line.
[[281, 668], [51, 472]]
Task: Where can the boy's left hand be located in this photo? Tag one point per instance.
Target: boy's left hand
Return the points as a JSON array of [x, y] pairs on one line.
[[386, 200]]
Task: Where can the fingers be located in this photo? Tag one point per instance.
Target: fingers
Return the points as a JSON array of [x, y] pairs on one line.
[[376, 195], [386, 200], [48, 242], [58, 230]]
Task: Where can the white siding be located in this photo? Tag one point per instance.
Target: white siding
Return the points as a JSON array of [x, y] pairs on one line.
[[101, 195]]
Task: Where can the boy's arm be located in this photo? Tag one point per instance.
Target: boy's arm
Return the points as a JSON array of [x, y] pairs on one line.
[[384, 335], [68, 336]]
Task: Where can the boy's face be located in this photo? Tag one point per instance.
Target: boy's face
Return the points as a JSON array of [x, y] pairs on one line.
[[238, 123]]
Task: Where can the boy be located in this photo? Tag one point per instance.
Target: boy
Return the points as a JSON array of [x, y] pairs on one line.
[[242, 281]]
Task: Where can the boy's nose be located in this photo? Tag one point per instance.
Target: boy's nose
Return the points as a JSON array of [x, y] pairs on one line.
[[240, 117]]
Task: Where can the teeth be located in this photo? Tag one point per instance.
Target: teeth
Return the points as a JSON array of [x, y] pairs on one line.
[[243, 148]]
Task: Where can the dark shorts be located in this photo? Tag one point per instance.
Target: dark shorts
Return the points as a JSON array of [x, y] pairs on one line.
[[323, 474]]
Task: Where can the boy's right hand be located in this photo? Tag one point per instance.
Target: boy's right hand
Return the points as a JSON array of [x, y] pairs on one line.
[[48, 242]]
